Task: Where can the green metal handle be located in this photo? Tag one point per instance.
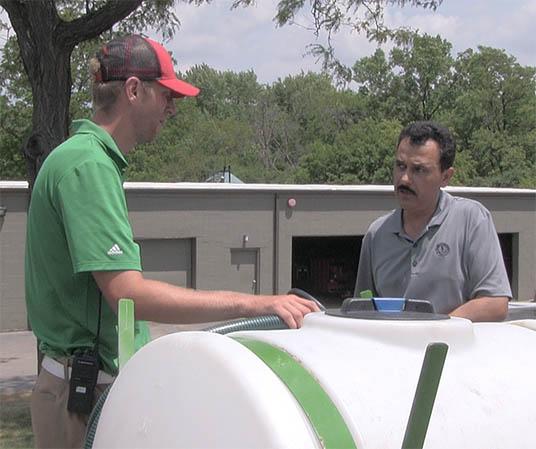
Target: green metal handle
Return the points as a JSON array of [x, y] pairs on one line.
[[125, 324], [423, 402]]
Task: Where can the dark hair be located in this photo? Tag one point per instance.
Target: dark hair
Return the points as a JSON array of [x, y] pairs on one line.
[[419, 132]]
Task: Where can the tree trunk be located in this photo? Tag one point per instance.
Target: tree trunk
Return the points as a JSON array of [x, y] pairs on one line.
[[46, 43], [46, 59], [51, 92]]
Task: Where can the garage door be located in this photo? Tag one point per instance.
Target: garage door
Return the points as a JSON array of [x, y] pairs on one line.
[[167, 260]]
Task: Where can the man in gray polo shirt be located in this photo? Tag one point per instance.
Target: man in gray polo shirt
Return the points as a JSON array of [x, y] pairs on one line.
[[434, 246]]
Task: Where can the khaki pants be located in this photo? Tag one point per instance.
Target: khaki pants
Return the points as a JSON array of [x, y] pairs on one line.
[[52, 424]]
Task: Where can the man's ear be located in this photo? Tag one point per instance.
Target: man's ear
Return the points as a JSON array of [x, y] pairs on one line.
[[132, 88], [447, 175]]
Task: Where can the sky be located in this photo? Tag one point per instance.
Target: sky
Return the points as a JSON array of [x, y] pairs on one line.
[[247, 38]]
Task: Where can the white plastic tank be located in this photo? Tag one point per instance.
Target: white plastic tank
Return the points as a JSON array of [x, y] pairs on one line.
[[203, 390]]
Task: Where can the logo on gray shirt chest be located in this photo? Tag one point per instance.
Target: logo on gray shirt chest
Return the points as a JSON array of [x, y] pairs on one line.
[[442, 249]]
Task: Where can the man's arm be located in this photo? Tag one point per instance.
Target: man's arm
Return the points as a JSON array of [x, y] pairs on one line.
[[365, 279], [166, 303], [487, 280], [487, 308]]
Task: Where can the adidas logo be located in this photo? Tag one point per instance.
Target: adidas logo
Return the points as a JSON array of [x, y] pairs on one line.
[[115, 250]]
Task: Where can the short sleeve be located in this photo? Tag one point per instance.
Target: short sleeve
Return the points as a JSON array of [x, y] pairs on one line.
[[92, 205], [485, 264], [365, 280]]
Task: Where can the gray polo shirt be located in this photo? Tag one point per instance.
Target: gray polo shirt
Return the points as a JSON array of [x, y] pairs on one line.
[[456, 258]]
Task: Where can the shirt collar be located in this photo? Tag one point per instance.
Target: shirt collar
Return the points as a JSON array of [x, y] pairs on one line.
[[85, 126], [441, 210], [394, 222]]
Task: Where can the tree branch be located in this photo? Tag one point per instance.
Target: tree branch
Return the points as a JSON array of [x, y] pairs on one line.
[[96, 22], [25, 18]]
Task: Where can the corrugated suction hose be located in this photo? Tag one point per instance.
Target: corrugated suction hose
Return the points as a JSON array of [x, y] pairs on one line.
[[265, 322]]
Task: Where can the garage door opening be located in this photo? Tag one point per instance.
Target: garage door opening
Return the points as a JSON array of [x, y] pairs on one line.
[[507, 247], [326, 267]]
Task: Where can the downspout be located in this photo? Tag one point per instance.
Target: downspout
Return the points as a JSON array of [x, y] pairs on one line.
[[275, 262]]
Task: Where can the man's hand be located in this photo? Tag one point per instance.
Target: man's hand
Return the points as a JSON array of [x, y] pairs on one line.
[[290, 308]]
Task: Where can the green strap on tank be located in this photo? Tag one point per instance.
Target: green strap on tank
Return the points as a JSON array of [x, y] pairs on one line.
[[132, 334], [425, 394], [315, 402]]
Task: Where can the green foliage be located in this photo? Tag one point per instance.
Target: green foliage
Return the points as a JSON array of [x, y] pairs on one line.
[[313, 103], [374, 76], [493, 92], [485, 97], [15, 121], [16, 103], [502, 159], [307, 129], [15, 112], [362, 154], [225, 94], [424, 79], [465, 168]]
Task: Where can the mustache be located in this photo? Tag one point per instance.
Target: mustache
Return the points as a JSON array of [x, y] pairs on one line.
[[406, 189]]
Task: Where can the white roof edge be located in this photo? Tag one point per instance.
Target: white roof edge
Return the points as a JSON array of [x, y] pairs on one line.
[[302, 187], [460, 189], [9, 185], [5, 185], [253, 187]]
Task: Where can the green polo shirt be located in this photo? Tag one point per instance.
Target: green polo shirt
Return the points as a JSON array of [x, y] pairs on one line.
[[77, 223]]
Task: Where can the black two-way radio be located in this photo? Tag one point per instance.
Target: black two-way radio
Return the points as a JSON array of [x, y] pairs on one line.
[[84, 376]]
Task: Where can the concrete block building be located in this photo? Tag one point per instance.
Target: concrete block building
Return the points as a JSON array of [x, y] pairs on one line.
[[261, 238]]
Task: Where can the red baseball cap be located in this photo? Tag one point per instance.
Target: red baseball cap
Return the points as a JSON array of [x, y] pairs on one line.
[[143, 58]]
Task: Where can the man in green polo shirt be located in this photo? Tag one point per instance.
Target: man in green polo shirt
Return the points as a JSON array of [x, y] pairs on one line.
[[81, 257], [435, 246]]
